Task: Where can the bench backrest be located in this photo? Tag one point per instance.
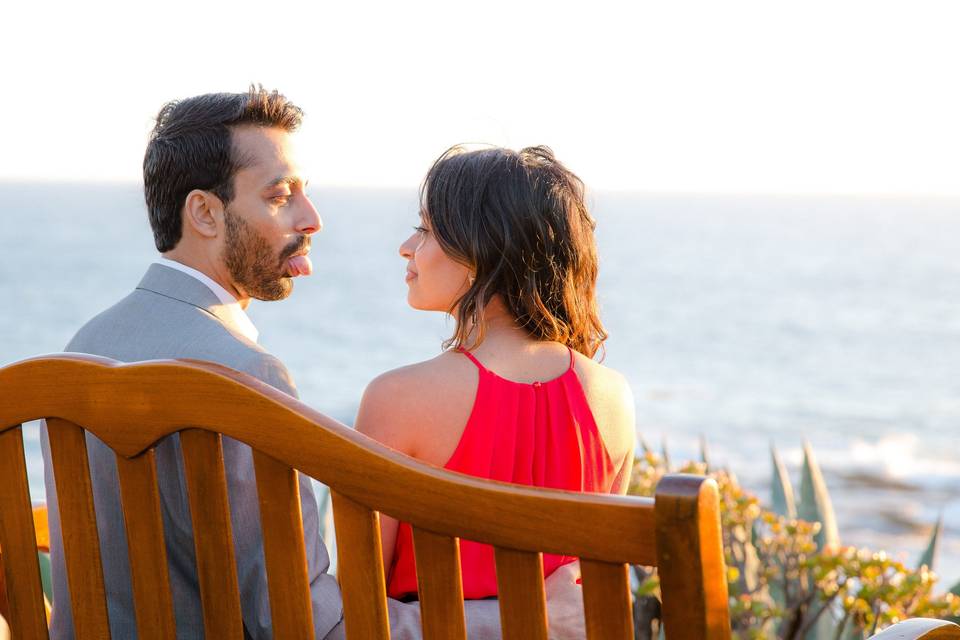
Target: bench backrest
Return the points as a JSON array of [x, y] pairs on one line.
[[131, 407]]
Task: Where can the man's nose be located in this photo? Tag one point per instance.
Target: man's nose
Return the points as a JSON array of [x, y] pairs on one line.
[[308, 220]]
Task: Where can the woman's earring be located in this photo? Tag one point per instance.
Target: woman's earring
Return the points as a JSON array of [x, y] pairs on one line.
[[470, 279]]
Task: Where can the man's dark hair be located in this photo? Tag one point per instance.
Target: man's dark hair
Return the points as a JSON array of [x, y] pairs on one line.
[[190, 148]]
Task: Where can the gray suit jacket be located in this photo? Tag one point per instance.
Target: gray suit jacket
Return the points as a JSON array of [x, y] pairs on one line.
[[172, 315]]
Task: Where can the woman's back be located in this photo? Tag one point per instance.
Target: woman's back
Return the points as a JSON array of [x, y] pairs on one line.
[[442, 392], [515, 410]]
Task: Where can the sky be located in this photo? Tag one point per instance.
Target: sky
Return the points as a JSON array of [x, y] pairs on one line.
[[857, 97]]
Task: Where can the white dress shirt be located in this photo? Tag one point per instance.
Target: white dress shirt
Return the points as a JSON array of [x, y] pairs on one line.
[[231, 307]]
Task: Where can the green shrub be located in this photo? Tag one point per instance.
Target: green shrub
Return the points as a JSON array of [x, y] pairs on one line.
[[790, 578]]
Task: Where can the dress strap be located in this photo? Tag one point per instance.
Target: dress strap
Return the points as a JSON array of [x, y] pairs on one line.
[[483, 368], [472, 358]]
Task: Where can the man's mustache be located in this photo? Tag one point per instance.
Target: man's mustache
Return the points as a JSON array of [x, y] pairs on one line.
[[295, 246]]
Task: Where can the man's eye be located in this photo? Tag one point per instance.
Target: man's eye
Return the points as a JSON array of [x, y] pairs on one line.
[[280, 200]]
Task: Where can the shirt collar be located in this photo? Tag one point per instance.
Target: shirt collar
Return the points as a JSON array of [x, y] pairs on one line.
[[229, 305]]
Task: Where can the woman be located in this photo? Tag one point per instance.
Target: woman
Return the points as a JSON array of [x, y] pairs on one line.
[[505, 245]]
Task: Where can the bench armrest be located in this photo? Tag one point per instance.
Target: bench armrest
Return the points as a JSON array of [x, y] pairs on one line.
[[920, 629]]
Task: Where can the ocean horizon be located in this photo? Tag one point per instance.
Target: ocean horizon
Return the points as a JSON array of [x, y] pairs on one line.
[[745, 320]]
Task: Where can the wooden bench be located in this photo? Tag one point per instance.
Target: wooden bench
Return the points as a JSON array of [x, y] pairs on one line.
[[131, 407]]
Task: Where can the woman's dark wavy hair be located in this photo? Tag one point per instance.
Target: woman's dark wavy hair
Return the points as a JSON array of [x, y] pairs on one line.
[[518, 219]]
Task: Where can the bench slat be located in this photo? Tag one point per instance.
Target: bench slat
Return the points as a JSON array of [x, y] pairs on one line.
[[283, 546], [212, 534], [78, 527], [146, 547], [18, 543], [439, 585], [523, 603], [606, 600], [360, 570]]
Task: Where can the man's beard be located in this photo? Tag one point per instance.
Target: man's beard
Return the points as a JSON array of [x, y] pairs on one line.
[[251, 262]]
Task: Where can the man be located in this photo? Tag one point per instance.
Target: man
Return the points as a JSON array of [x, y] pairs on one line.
[[232, 221]]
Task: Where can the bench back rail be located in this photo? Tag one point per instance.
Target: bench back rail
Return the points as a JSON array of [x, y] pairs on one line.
[[130, 407]]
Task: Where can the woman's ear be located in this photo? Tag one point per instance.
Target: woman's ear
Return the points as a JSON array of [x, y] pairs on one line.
[[203, 212]]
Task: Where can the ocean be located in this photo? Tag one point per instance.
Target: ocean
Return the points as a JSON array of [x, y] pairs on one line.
[[747, 320]]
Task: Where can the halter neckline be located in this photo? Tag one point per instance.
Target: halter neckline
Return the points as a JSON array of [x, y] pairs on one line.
[[536, 383]]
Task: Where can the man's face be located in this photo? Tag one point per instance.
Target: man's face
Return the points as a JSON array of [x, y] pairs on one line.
[[270, 219]]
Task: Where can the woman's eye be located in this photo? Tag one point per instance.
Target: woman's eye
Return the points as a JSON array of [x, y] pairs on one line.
[[420, 230]]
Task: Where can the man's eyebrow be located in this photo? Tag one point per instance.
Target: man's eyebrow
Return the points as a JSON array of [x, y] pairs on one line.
[[287, 180]]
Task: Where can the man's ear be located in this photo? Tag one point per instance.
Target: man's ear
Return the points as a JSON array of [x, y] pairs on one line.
[[202, 212]]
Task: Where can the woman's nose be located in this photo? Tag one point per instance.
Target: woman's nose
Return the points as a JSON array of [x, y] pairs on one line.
[[406, 249]]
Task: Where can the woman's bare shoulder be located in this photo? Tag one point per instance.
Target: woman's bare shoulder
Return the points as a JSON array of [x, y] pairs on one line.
[[403, 407], [601, 379], [411, 381], [611, 402]]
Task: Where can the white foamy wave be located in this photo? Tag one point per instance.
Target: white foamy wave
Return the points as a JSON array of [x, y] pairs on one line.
[[901, 456]]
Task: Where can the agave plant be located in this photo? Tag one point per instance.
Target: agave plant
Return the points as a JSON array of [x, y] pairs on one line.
[[815, 504], [782, 500], [789, 577]]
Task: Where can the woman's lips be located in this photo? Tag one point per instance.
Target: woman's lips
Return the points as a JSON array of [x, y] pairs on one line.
[[410, 275], [299, 266]]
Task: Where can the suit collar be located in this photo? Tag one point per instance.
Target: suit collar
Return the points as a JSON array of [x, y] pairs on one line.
[[178, 285]]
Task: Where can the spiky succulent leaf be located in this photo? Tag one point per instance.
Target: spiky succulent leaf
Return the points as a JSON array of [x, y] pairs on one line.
[[815, 504], [930, 553], [825, 628], [46, 574], [644, 445], [849, 632], [705, 454], [782, 499]]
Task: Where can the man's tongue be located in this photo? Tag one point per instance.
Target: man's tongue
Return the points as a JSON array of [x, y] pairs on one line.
[[299, 266]]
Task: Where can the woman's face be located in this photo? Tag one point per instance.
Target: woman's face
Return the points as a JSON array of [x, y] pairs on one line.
[[435, 281]]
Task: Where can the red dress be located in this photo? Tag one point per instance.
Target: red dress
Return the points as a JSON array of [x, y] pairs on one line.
[[541, 434]]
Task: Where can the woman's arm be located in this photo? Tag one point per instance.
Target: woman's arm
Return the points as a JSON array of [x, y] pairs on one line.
[[621, 484], [621, 434], [629, 430], [379, 418]]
